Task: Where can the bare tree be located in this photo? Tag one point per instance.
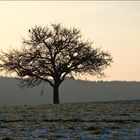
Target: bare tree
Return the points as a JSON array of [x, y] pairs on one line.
[[52, 53]]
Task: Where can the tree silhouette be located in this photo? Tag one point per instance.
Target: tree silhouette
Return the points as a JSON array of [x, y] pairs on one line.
[[52, 53]]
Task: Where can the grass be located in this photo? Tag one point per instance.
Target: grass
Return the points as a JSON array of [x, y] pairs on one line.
[[102, 120]]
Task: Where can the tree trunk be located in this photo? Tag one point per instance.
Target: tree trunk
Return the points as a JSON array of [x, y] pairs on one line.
[[56, 94]]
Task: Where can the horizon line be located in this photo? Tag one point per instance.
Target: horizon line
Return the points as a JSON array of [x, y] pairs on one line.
[[12, 77]]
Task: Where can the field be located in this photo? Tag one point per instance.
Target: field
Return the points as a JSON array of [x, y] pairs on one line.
[[84, 121]]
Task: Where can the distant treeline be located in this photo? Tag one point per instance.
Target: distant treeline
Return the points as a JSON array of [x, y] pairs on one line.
[[70, 91]]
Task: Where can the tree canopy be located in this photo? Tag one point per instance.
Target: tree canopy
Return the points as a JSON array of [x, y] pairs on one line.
[[52, 53]]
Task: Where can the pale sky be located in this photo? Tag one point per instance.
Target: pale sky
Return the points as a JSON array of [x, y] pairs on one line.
[[112, 25]]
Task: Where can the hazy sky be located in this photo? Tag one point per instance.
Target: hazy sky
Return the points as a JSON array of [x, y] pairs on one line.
[[112, 25]]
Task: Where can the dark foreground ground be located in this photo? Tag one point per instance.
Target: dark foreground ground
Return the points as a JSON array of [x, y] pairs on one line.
[[84, 121]]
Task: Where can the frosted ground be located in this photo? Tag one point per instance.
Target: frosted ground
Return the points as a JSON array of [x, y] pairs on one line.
[[84, 121]]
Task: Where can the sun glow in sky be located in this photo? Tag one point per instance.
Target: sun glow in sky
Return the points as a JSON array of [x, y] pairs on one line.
[[112, 25]]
